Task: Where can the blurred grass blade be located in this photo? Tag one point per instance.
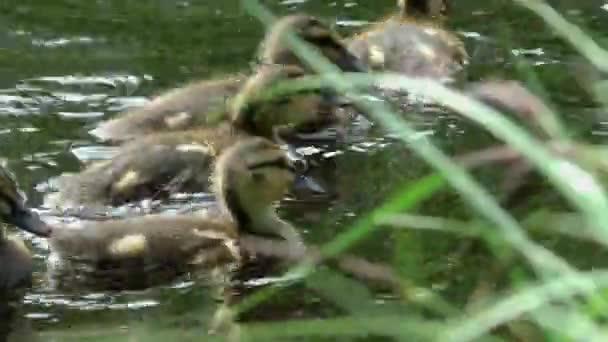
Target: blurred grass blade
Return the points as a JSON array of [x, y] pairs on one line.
[[523, 301], [582, 42], [353, 297], [406, 198], [398, 326], [544, 261]]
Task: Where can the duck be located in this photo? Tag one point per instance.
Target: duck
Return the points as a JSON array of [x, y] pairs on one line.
[[204, 103], [158, 165], [15, 258], [200, 103], [412, 43], [249, 177]]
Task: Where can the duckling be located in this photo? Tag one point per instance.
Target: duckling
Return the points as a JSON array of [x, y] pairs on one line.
[[202, 103], [412, 43], [16, 261], [248, 178], [273, 49], [161, 164]]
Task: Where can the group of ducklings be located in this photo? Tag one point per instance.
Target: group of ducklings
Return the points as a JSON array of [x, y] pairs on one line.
[[222, 134]]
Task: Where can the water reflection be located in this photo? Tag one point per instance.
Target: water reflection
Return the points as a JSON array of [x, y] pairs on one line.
[[66, 66]]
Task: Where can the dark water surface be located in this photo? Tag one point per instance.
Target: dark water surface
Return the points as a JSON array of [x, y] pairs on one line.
[[66, 64]]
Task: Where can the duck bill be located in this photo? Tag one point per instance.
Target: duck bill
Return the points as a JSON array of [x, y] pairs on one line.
[[29, 221]]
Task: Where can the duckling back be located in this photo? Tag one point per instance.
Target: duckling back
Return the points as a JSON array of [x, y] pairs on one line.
[[412, 43], [197, 104], [410, 49], [147, 249], [150, 167]]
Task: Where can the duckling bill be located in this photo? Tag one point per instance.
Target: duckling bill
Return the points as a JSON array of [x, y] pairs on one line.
[[249, 177]]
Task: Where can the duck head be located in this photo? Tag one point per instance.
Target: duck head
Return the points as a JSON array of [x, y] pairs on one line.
[[258, 110], [275, 50], [250, 176]]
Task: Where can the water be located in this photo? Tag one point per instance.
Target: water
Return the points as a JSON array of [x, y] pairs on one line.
[[65, 65]]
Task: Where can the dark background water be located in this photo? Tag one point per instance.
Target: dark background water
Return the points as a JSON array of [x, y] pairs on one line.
[[66, 64]]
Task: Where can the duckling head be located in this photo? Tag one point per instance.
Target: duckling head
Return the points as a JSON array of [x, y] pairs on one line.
[[258, 111], [250, 177], [437, 9], [275, 50], [13, 209]]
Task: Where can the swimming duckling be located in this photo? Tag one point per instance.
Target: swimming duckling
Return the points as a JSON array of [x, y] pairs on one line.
[[202, 103], [248, 178], [273, 49], [412, 43], [162, 164], [15, 259]]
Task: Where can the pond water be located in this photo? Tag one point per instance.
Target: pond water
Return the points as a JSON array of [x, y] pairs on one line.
[[65, 65]]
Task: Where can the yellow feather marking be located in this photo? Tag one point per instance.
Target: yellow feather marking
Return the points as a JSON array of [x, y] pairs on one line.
[[376, 55], [431, 31], [128, 246], [426, 50], [127, 180], [177, 120]]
